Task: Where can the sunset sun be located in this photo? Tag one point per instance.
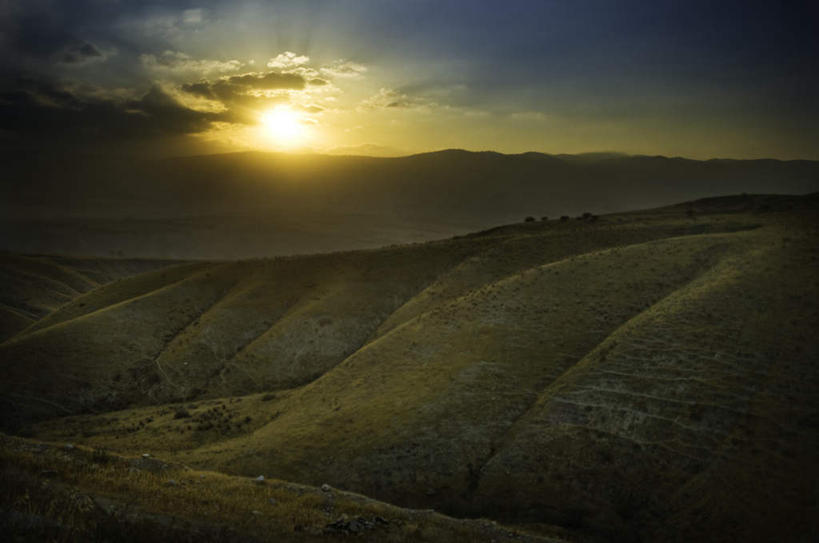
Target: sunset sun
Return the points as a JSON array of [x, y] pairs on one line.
[[283, 127]]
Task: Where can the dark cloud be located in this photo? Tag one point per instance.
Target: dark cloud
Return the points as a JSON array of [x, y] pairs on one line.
[[239, 87], [42, 112], [79, 52]]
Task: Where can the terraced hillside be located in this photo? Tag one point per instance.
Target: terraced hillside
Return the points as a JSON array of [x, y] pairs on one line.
[[649, 375]]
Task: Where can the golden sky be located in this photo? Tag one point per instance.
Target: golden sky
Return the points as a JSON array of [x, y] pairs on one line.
[[697, 79]]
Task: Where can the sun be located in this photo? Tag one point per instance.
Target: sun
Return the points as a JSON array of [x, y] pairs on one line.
[[284, 127]]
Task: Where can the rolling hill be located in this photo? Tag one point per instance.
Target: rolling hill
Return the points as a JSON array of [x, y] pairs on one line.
[[637, 376]]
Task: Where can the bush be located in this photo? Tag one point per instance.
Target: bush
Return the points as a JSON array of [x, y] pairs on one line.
[[564, 218], [529, 219], [544, 218], [181, 413]]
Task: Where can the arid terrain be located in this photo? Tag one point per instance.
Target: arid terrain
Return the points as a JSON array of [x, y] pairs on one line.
[[644, 375]]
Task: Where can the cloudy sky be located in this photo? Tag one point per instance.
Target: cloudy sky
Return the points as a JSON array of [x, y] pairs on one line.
[[692, 78]]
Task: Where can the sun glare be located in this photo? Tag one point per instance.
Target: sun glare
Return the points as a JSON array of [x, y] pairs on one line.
[[284, 127]]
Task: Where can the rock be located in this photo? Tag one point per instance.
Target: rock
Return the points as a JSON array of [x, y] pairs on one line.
[[146, 455], [48, 473], [259, 480], [256, 512], [69, 446], [325, 488], [272, 501], [171, 482]]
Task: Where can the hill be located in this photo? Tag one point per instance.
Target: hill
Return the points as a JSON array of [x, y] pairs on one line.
[[35, 286], [638, 376], [246, 205]]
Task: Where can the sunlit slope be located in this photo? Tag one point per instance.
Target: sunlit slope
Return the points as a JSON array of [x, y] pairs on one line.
[[197, 330], [649, 375], [210, 329], [35, 286], [702, 407], [434, 398]]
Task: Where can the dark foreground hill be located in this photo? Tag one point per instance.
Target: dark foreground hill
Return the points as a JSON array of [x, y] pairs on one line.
[[247, 205], [640, 376]]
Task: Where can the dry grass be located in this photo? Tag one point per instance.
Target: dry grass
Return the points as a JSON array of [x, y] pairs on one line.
[[67, 493], [621, 378]]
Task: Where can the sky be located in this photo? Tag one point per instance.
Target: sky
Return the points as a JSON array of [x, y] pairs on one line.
[[692, 78]]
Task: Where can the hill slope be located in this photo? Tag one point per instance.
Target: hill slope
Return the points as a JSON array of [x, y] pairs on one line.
[[648, 375], [35, 286]]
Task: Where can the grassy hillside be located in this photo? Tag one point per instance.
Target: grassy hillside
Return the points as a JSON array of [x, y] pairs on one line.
[[70, 493], [645, 375], [36, 286]]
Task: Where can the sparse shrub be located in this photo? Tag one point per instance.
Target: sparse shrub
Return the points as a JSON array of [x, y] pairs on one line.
[[544, 218], [269, 396], [564, 218], [586, 215], [529, 219], [181, 413]]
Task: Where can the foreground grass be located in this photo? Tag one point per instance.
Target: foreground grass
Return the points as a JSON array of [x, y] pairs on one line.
[[70, 493]]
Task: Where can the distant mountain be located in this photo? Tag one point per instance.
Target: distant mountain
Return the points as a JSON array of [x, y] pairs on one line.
[[261, 204]]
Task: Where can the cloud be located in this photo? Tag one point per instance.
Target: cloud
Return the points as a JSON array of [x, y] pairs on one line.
[[40, 111], [312, 108], [79, 52], [344, 68], [192, 16], [242, 95], [287, 60], [182, 64], [528, 116], [236, 87], [391, 98]]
